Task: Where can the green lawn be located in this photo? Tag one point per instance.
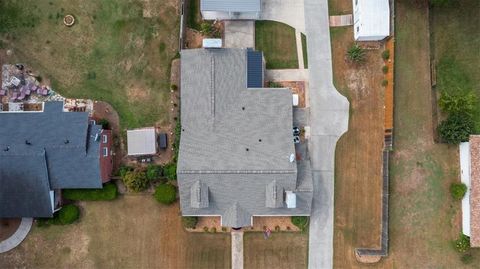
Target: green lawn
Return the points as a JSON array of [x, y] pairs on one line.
[[283, 250], [112, 53], [304, 50], [277, 41], [455, 43]]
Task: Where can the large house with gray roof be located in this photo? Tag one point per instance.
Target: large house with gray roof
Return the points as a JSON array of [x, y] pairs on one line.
[[237, 158], [43, 152], [230, 9]]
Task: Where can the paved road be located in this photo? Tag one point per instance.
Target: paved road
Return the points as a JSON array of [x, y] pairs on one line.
[[19, 235], [328, 120]]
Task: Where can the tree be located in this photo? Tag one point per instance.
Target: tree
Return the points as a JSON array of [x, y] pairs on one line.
[[165, 194], [456, 128], [105, 124], [135, 180], [154, 172], [458, 103], [458, 190], [356, 53], [170, 171], [189, 222]]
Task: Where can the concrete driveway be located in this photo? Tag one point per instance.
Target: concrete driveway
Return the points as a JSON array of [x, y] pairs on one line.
[[239, 34], [329, 112], [290, 12]]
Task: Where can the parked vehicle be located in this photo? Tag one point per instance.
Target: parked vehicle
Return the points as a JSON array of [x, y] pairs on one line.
[[296, 139], [296, 131]]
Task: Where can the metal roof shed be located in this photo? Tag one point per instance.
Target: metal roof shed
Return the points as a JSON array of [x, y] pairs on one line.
[[371, 19], [141, 141]]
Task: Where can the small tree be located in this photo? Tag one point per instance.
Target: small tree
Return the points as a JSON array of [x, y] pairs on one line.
[[300, 221], [154, 172], [165, 194], [170, 171], [135, 180], [189, 222], [458, 103], [458, 190], [456, 128], [356, 53]]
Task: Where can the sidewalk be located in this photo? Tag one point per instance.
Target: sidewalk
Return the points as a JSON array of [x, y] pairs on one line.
[[18, 236], [237, 250]]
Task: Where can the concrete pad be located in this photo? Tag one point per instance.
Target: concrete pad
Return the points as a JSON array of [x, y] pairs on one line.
[[239, 34], [290, 12], [286, 74], [237, 250]]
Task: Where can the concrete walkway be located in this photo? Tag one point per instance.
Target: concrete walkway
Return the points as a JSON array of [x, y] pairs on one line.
[[239, 34], [286, 74], [237, 250], [298, 37], [290, 12], [329, 113], [19, 235]]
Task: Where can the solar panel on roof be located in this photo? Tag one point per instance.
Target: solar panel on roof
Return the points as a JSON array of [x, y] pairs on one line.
[[254, 69]]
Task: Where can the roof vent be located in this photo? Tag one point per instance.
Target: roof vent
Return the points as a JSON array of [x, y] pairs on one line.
[[27, 142], [66, 141], [7, 148], [259, 140], [243, 108], [247, 149]]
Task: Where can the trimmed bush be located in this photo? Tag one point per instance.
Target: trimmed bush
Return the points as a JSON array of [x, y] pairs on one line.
[[213, 230], [458, 190], [108, 192], [135, 180], [456, 128], [68, 214], [386, 54], [170, 171], [205, 229], [154, 172], [189, 222], [462, 244], [165, 194], [385, 69], [300, 221], [384, 83]]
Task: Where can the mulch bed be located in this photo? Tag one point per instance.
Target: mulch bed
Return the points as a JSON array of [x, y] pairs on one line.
[[8, 227]]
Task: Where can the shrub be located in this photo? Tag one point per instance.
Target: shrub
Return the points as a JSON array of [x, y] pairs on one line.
[[456, 128], [277, 228], [224, 229], [68, 214], [462, 244], [135, 180], [170, 171], [123, 170], [189, 222], [458, 190], [300, 221], [273, 84], [213, 230], [467, 259], [205, 229], [385, 69], [153, 172], [165, 194], [174, 87], [108, 192], [458, 103], [105, 124], [384, 83], [356, 53], [386, 54]]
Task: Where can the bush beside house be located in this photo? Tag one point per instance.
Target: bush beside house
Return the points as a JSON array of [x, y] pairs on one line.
[[300, 221], [135, 180], [189, 222], [170, 171], [165, 193], [458, 190], [108, 192], [68, 214]]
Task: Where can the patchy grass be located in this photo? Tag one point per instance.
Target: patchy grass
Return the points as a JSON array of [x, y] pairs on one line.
[[304, 50], [133, 231], [455, 39], [277, 41], [110, 54], [288, 250]]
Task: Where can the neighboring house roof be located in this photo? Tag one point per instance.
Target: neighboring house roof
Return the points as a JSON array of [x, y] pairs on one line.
[[67, 142], [231, 5], [234, 141], [141, 141], [475, 190]]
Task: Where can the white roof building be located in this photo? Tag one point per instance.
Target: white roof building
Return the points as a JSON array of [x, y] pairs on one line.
[[141, 141], [371, 20]]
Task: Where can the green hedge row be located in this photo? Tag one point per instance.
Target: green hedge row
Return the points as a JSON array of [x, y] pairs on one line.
[[108, 192], [66, 215]]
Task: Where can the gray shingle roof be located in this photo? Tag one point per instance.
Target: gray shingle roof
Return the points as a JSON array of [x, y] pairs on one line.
[[231, 5], [70, 154], [234, 140]]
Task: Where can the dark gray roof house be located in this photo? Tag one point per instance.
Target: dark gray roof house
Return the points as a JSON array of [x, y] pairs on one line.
[[237, 157], [41, 152], [230, 9]]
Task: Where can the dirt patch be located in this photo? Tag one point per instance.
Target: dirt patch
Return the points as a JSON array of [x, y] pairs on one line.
[[193, 39], [136, 93], [8, 227]]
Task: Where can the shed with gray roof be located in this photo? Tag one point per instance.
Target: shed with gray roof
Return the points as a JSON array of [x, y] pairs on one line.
[[235, 157], [230, 9]]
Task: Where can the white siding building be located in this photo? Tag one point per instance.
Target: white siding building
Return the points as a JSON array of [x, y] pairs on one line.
[[230, 9], [371, 20]]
